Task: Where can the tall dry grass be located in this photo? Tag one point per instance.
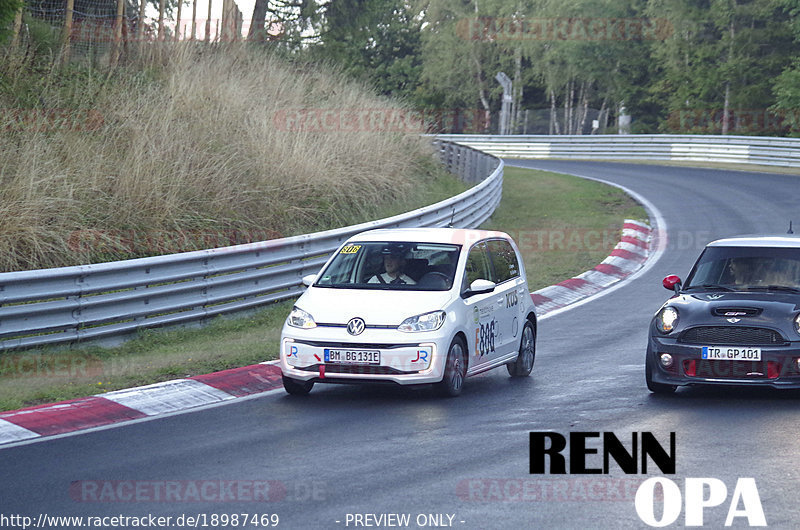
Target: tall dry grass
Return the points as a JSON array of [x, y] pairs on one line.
[[189, 144]]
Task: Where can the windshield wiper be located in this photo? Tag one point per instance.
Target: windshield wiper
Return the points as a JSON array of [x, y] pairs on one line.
[[710, 286], [774, 288]]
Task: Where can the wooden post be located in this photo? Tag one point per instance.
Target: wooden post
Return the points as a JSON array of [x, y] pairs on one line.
[[67, 32], [161, 7], [178, 22], [208, 23], [17, 27], [194, 19], [225, 34], [117, 32], [140, 24]]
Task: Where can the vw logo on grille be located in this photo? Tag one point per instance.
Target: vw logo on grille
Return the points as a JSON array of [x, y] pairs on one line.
[[356, 326]]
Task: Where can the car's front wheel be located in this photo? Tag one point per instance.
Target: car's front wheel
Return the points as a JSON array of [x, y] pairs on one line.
[[295, 387], [455, 370], [654, 387], [527, 353]]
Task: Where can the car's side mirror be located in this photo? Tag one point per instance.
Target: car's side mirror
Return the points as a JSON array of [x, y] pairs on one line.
[[479, 286], [672, 283], [309, 279]]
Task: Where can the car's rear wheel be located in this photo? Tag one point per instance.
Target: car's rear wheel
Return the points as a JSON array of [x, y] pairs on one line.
[[656, 388], [455, 370], [527, 353], [295, 387]]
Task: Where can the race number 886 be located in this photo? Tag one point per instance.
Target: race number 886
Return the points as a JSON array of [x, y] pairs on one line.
[[484, 338]]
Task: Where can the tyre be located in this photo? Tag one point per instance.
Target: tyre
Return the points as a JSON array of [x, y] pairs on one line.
[[527, 353], [295, 387], [455, 370], [656, 388]]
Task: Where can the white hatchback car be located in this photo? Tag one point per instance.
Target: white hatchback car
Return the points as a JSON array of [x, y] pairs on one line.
[[412, 306]]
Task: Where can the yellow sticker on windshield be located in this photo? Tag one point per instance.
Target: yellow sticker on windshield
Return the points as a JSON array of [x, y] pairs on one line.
[[350, 249]]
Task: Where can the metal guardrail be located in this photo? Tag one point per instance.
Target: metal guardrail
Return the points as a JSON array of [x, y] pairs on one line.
[[760, 150], [68, 304]]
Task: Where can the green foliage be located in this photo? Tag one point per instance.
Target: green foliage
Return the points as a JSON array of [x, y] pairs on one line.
[[722, 54], [8, 9], [373, 40], [696, 56]]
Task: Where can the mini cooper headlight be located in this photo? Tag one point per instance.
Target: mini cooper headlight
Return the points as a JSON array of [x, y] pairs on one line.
[[425, 322], [300, 319], [667, 319], [797, 323]]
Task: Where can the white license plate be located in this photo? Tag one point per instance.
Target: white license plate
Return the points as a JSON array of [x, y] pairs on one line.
[[731, 353], [352, 356]]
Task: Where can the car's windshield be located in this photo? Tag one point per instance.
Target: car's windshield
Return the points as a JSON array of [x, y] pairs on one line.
[[746, 268], [392, 265]]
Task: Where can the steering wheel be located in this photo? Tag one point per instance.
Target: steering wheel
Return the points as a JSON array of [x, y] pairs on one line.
[[435, 279]]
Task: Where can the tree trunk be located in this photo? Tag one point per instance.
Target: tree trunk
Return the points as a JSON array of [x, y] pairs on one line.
[[516, 92], [194, 19], [602, 118], [178, 21], [481, 83], [259, 21], [726, 105], [576, 129], [553, 114], [585, 107], [161, 9]]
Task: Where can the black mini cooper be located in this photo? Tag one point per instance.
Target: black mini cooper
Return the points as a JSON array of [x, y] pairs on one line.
[[736, 320]]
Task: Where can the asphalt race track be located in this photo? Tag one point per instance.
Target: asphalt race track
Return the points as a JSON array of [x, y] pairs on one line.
[[347, 455]]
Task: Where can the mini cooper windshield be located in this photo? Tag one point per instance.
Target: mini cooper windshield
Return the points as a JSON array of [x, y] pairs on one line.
[[747, 269], [392, 265]]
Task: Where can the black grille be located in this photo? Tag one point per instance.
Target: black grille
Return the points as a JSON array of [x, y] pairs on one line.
[[736, 311], [733, 335]]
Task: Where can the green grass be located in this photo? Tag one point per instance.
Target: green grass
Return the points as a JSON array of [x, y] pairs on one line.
[[563, 225], [534, 202], [754, 168], [43, 376]]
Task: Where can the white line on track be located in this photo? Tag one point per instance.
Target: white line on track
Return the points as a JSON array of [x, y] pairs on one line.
[[658, 228]]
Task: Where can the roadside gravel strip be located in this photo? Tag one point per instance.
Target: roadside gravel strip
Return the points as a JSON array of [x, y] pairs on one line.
[[170, 397]]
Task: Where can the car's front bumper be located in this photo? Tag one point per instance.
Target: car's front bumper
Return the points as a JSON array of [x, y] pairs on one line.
[[405, 358], [777, 367]]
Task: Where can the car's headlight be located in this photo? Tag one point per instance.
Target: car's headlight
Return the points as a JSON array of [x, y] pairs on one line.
[[797, 323], [425, 322], [300, 319], [667, 319]]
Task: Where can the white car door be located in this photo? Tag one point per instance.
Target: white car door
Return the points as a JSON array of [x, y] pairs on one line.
[[508, 295], [483, 308]]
